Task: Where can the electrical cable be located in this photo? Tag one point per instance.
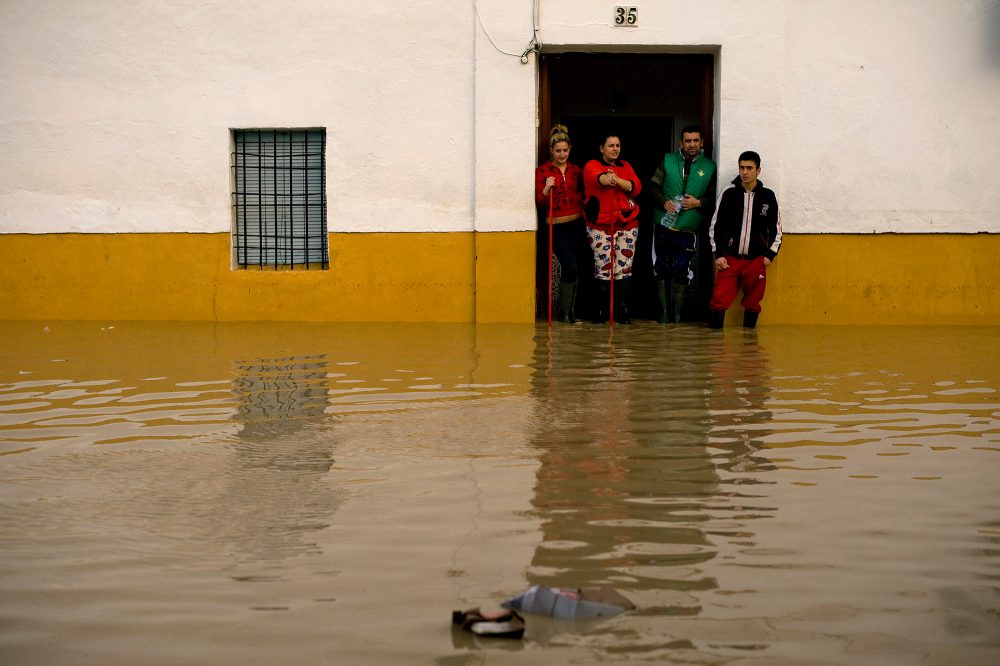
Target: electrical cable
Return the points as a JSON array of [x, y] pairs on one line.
[[533, 45]]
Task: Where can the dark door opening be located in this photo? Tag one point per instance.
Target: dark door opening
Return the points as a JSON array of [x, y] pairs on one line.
[[646, 98]]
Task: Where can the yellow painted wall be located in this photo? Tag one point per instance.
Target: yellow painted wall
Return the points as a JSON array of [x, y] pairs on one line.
[[884, 279], [372, 277], [505, 277], [464, 277]]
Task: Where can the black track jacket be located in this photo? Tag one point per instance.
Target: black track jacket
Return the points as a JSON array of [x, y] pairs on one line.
[[746, 224]]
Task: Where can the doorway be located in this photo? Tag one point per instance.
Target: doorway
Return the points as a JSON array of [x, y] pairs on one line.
[[646, 98]]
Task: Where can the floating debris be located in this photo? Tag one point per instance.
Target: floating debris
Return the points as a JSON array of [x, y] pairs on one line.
[[500, 624], [569, 603]]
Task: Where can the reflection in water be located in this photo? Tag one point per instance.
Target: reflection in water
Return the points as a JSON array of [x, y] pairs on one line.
[[634, 433], [111, 411], [739, 396], [625, 473], [329, 493], [279, 396], [275, 496], [673, 467]]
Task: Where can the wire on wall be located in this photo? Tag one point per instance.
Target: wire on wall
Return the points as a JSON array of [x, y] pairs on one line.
[[533, 45]]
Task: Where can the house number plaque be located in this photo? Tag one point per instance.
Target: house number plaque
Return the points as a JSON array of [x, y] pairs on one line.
[[626, 17]]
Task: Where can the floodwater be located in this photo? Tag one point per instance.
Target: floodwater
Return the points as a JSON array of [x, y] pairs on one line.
[[197, 493]]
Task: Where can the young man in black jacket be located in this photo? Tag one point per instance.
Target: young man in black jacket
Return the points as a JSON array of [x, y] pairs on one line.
[[745, 233]]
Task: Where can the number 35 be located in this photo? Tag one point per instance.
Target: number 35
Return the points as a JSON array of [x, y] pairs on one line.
[[626, 16]]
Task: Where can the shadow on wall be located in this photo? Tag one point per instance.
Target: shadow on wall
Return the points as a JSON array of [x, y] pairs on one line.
[[991, 27]]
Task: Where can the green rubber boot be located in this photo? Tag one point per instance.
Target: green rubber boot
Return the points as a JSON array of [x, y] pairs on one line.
[[680, 294], [661, 294]]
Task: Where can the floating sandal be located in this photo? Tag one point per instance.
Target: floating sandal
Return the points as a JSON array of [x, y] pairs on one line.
[[500, 624]]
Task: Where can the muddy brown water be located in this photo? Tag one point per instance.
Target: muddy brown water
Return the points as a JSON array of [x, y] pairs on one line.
[[197, 493]]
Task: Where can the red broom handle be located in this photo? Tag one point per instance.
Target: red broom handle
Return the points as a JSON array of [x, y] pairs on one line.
[[611, 290], [550, 257]]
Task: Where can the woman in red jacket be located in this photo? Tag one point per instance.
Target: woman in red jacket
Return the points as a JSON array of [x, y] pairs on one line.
[[610, 188], [564, 181]]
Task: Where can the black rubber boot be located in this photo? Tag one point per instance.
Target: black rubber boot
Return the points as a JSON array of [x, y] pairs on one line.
[[603, 296], [750, 319], [567, 302], [661, 294], [716, 318], [621, 302]]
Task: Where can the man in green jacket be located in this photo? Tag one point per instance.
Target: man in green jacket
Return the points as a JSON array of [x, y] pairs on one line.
[[684, 190]]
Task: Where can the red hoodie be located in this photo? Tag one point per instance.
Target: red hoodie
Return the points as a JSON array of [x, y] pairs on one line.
[[610, 204], [567, 194]]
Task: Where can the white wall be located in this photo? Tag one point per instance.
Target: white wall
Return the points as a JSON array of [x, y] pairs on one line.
[[115, 115], [870, 115], [891, 116], [505, 113]]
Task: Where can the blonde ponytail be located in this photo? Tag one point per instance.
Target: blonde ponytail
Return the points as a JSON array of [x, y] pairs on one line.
[[558, 133]]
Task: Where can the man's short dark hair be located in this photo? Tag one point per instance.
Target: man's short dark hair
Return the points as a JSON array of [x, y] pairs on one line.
[[750, 156], [691, 129]]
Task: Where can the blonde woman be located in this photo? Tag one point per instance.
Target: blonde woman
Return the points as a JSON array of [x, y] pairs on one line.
[[563, 180]]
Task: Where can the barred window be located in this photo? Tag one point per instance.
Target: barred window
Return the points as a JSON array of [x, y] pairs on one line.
[[279, 199]]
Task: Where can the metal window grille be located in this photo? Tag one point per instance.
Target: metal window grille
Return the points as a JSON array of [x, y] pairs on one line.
[[279, 198]]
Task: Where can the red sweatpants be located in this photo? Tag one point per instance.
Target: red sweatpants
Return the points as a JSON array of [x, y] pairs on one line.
[[749, 275]]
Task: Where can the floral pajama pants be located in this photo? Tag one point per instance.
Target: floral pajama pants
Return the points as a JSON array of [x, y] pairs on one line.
[[624, 253]]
